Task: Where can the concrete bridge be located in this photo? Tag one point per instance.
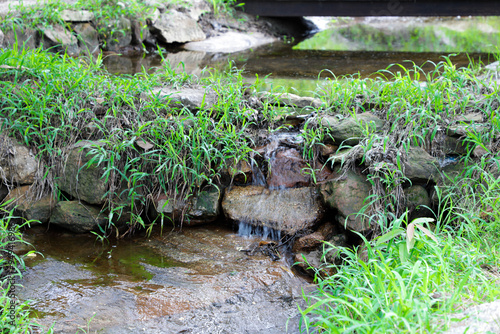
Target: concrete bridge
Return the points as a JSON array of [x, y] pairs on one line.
[[293, 8]]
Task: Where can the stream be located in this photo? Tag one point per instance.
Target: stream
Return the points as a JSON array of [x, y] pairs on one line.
[[199, 279]]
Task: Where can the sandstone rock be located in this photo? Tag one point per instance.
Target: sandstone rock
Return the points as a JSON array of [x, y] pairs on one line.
[[77, 15], [418, 201], [57, 36], [176, 27], [348, 196], [292, 100], [351, 130], [30, 208], [204, 208], [191, 98], [77, 217], [287, 170], [420, 166], [119, 35], [88, 37], [18, 165], [79, 180], [287, 210]]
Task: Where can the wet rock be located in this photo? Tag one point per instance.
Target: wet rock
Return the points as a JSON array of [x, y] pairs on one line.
[[203, 209], [348, 196], [287, 210], [351, 130], [77, 217], [230, 42], [88, 37], [420, 165], [18, 165], [176, 27], [28, 206], [191, 98], [418, 201], [287, 170], [119, 35], [81, 180], [77, 15], [292, 100], [241, 172], [57, 36], [308, 242]]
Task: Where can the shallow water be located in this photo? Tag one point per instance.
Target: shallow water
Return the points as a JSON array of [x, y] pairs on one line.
[[197, 280]]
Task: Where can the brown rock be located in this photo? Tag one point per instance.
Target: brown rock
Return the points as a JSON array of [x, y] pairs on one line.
[[77, 217], [29, 207], [18, 163], [308, 242], [287, 170]]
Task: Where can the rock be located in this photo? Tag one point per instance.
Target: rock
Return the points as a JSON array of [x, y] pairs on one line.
[[308, 242], [463, 129], [287, 170], [328, 149], [18, 165], [420, 166], [119, 35], [4, 191], [292, 100], [77, 15], [88, 37], [287, 210], [30, 208], [25, 37], [191, 98], [313, 263], [333, 254], [453, 145], [230, 42], [418, 202], [58, 37], [204, 208], [241, 172], [197, 8], [351, 130], [470, 118], [79, 180], [479, 152], [77, 217], [348, 196], [190, 62], [176, 27], [341, 156]]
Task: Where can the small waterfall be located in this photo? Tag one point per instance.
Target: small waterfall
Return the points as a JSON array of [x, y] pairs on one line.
[[258, 178], [247, 230]]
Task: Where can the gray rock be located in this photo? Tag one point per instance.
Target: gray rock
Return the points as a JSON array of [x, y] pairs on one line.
[[119, 35], [420, 166], [28, 206], [204, 209], [286, 210], [88, 37], [59, 37], [453, 146], [24, 37], [197, 8], [82, 181], [77, 15], [418, 201], [176, 27], [292, 100], [191, 98], [18, 165], [476, 319], [77, 217], [350, 130], [348, 196]]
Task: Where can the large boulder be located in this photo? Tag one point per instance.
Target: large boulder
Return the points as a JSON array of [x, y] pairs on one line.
[[351, 130], [420, 166], [18, 164], [348, 196], [28, 206], [286, 210], [176, 27], [81, 180], [204, 208], [57, 36], [288, 170], [77, 217]]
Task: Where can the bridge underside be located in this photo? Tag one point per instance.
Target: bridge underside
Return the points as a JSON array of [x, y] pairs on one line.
[[293, 8]]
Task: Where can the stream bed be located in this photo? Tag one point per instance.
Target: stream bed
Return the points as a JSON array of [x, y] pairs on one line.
[[195, 281]]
